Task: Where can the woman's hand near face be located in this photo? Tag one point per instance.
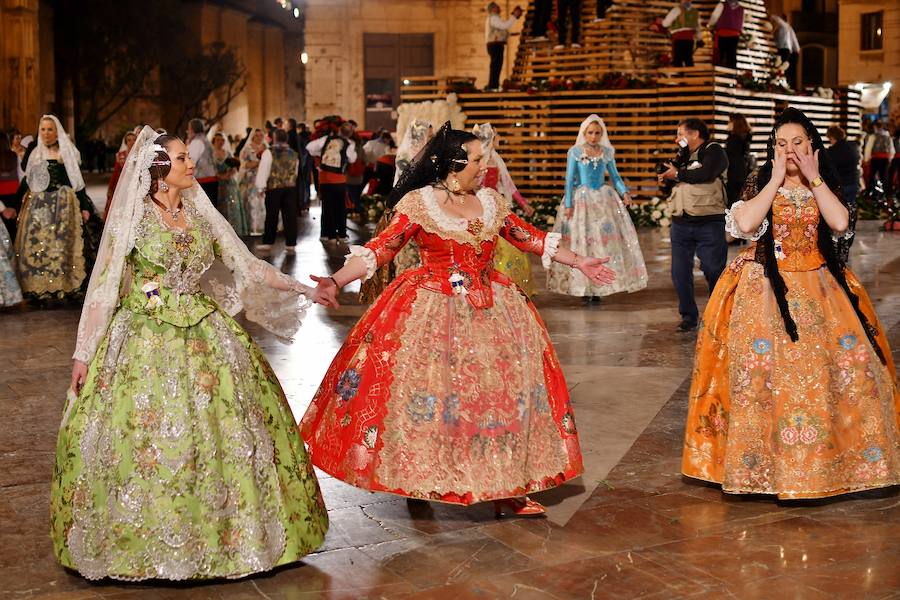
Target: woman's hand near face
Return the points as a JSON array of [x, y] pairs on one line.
[[808, 163], [779, 165]]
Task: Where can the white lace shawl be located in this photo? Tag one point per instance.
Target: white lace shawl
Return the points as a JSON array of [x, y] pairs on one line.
[[487, 135], [240, 282], [414, 139], [37, 173]]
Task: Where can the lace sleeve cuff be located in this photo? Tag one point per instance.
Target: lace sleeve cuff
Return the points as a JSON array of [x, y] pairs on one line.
[[367, 255], [551, 247], [837, 237], [732, 228], [82, 355]]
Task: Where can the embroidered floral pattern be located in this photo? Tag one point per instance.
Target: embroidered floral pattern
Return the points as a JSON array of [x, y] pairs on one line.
[[348, 384]]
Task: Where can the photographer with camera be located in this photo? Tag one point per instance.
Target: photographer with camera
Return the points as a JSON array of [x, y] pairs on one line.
[[697, 203]]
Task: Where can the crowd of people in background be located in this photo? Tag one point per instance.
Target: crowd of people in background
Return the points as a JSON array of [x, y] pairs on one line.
[[261, 182], [264, 180]]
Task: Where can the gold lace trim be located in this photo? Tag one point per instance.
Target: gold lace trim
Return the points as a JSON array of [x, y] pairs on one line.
[[413, 205]]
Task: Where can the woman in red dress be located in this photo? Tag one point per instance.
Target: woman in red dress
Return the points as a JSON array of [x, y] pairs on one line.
[[448, 387]]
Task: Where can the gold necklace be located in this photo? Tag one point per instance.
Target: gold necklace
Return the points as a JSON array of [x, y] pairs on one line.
[[452, 196]]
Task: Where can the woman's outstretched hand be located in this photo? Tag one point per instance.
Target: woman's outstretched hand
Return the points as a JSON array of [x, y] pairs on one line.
[[326, 291], [594, 270]]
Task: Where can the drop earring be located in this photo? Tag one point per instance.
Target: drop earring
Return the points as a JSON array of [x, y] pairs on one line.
[[163, 186], [453, 184]]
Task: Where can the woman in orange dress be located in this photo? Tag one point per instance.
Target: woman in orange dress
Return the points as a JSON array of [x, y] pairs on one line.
[[794, 391]]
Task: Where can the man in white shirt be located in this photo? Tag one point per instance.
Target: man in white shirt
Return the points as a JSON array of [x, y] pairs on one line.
[[788, 47], [496, 33], [335, 153]]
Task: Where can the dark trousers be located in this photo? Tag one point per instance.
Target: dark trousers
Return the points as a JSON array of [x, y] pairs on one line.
[[281, 201], [566, 10], [792, 58], [728, 47], [894, 173], [682, 53], [355, 191], [212, 191], [878, 167], [707, 241], [334, 210], [543, 10], [495, 51], [602, 7]]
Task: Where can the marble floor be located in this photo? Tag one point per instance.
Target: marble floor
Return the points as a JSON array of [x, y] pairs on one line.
[[631, 527]]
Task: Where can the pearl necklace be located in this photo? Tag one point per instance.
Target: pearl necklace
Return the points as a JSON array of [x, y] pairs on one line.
[[173, 212]]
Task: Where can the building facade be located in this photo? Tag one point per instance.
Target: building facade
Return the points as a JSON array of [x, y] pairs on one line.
[[870, 51], [360, 49], [266, 37]]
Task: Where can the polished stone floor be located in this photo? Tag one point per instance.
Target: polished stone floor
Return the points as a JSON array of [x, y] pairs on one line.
[[631, 527]]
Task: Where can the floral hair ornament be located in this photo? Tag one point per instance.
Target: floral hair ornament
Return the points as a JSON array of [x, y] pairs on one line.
[[157, 162]]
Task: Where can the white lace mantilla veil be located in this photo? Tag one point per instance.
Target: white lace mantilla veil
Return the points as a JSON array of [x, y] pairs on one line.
[[608, 150], [238, 283], [36, 172], [414, 139], [486, 135]]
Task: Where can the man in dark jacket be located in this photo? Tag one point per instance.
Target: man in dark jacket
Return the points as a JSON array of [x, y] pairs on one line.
[[844, 155], [698, 214]]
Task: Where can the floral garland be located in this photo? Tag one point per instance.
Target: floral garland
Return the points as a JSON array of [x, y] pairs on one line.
[[608, 81], [775, 82], [613, 80], [373, 207], [652, 213]]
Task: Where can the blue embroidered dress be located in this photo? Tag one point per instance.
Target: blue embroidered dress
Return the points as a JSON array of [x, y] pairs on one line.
[[599, 226]]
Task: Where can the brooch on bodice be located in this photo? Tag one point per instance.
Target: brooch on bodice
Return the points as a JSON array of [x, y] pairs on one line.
[[151, 290], [183, 241], [475, 227], [593, 160]]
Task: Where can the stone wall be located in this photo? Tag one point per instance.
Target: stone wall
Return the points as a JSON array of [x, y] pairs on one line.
[[871, 66], [334, 42]]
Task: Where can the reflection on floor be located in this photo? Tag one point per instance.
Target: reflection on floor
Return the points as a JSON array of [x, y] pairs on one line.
[[630, 528]]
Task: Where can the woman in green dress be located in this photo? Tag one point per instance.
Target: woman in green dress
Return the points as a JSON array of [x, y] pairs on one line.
[[230, 202], [178, 456]]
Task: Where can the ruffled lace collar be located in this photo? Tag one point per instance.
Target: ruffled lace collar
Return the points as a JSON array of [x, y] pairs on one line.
[[423, 208]]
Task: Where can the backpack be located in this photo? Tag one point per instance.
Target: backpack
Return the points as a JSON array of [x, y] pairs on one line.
[[334, 154]]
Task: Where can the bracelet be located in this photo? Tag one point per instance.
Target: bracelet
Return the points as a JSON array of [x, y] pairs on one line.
[[333, 280]]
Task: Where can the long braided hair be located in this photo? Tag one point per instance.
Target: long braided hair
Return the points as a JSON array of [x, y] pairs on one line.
[[832, 250]]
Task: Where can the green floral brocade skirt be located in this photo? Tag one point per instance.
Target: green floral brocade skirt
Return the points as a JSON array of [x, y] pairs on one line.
[[180, 458]]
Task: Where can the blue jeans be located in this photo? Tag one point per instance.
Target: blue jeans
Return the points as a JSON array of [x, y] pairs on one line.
[[707, 241]]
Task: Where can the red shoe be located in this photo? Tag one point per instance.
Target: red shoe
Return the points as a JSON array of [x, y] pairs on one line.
[[520, 507]]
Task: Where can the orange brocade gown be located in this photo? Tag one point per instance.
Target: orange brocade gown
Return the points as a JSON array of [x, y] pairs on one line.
[[806, 419], [444, 396]]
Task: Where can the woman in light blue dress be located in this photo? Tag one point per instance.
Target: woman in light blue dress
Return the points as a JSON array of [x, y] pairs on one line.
[[593, 219]]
